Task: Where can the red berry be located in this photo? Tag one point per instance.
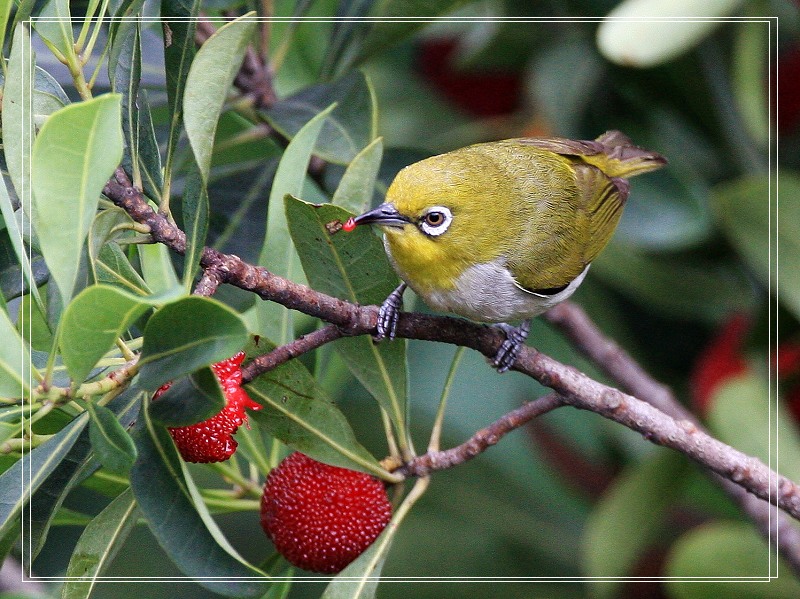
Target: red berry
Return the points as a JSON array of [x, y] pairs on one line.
[[349, 224], [322, 517], [212, 440]]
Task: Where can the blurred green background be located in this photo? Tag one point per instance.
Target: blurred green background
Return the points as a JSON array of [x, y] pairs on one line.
[[690, 287]]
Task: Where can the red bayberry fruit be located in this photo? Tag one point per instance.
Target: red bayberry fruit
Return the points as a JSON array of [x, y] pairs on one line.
[[212, 440], [322, 517]]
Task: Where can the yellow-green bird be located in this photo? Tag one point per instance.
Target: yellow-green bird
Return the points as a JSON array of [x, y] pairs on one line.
[[502, 231]]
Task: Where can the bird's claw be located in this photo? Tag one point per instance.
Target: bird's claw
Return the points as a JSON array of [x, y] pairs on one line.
[[515, 339], [389, 313]]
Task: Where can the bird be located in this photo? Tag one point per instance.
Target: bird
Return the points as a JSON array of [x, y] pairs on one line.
[[499, 232]]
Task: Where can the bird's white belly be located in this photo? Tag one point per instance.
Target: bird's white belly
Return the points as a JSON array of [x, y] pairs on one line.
[[488, 293]]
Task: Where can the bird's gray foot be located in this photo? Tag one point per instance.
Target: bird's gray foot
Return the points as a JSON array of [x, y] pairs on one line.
[[515, 338], [389, 313]]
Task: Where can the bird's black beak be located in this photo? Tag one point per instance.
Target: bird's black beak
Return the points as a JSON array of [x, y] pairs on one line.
[[385, 214]]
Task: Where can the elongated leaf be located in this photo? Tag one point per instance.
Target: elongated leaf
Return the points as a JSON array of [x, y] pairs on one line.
[[186, 335], [298, 413], [15, 237], [278, 253], [165, 501], [195, 224], [14, 360], [55, 25], [629, 517], [349, 128], [191, 399], [112, 445], [113, 268], [751, 215], [99, 543], [149, 154], [353, 267], [357, 186], [92, 322], [76, 466], [18, 131], [16, 490], [208, 84], [125, 72], [74, 154]]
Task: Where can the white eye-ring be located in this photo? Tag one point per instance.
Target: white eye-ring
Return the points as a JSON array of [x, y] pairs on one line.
[[436, 221]]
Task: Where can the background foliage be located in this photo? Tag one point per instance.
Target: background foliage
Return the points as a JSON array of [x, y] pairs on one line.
[[701, 283]]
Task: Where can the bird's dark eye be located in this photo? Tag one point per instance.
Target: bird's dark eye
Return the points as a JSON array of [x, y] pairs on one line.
[[434, 219]]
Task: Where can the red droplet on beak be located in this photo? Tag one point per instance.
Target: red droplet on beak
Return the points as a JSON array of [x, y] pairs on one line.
[[350, 224]]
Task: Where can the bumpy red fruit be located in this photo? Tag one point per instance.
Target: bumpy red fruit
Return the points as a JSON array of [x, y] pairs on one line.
[[322, 517], [212, 440]]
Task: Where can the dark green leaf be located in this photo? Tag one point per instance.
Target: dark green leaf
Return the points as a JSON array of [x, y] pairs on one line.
[[166, 502], [298, 413], [16, 490], [347, 35], [629, 516], [112, 444], [149, 154], [73, 469], [55, 25], [729, 551], [349, 128], [125, 72], [74, 154], [353, 267], [186, 335], [92, 322], [114, 268], [189, 400], [99, 543], [195, 224], [208, 84], [751, 215]]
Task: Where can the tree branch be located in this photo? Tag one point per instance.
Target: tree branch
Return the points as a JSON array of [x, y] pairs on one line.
[[575, 388], [482, 440], [576, 325]]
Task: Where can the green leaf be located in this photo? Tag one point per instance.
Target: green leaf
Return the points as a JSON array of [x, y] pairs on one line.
[[630, 516], [98, 545], [749, 74], [15, 237], [125, 72], [350, 126], [54, 24], [186, 335], [208, 84], [189, 400], [113, 268], [73, 469], [166, 502], [158, 271], [353, 266], [112, 444], [278, 254], [74, 154], [5, 13], [91, 324], [195, 224], [387, 32], [14, 360], [298, 413], [743, 413], [149, 154], [729, 551], [357, 186], [38, 465], [180, 21], [673, 285], [18, 129], [751, 216]]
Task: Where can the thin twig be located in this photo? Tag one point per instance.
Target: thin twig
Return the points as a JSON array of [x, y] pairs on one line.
[[577, 389], [482, 440], [576, 325], [208, 283], [284, 353]]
